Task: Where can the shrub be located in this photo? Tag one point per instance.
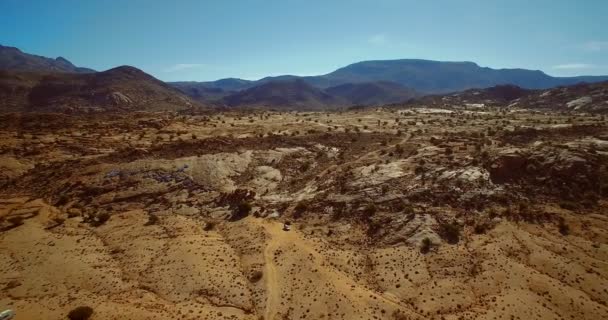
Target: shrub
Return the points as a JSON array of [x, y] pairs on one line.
[[152, 220], [209, 225], [369, 210], [80, 313], [480, 228], [425, 246], [568, 205], [256, 276], [100, 219], [398, 315], [241, 211], [16, 220], [300, 208], [564, 229], [305, 166], [451, 232]]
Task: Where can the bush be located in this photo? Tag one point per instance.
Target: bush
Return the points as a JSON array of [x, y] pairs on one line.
[[152, 220], [451, 232], [369, 210], [305, 166], [564, 229], [398, 315], [209, 225], [241, 211], [100, 219], [425, 246], [256, 276], [300, 208], [80, 313], [568, 205], [16, 220], [480, 228]]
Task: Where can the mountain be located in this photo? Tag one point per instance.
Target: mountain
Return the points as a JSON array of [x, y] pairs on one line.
[[229, 84], [13, 59], [424, 76], [590, 97], [292, 94], [120, 89], [438, 76], [372, 93], [200, 91]]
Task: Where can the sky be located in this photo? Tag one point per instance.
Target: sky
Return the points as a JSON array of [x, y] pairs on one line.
[[201, 40]]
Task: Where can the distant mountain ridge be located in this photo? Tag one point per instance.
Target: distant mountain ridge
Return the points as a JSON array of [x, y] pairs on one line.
[[13, 59], [425, 76], [372, 93], [297, 93], [285, 94]]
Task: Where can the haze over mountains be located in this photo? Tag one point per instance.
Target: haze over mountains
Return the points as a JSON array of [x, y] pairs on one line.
[[33, 82]]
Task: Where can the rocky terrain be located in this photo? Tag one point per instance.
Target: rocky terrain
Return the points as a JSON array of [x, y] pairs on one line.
[[582, 97], [119, 89], [400, 213]]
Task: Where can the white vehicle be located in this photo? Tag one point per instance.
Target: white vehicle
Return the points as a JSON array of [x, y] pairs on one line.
[[286, 227], [7, 314]]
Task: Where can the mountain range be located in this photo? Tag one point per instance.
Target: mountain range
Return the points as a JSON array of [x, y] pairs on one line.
[[14, 59], [374, 83], [38, 83], [424, 76]]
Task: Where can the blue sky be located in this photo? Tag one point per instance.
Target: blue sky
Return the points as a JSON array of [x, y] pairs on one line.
[[208, 40]]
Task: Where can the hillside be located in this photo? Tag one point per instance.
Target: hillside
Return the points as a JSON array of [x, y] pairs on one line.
[[582, 97], [200, 92], [591, 97], [294, 94], [120, 89], [14, 59], [500, 95], [372, 93]]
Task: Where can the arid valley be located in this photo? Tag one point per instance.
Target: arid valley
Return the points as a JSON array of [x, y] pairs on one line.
[[303, 160], [460, 213]]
